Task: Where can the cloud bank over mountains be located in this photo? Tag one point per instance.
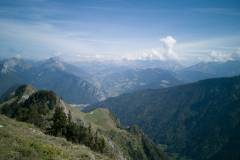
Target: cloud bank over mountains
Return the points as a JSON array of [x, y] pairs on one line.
[[164, 52], [116, 30], [170, 50], [43, 41]]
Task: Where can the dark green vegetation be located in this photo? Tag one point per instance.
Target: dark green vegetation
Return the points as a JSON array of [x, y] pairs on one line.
[[64, 126], [97, 130], [199, 121]]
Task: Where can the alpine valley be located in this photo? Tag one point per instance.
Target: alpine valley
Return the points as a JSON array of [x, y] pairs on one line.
[[119, 80], [177, 116]]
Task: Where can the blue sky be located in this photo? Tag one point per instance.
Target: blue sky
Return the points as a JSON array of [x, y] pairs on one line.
[[185, 30]]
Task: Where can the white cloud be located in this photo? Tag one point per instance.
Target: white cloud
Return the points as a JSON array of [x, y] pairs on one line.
[[220, 56], [169, 42], [44, 40], [217, 56], [164, 53], [154, 54], [188, 53], [41, 40]]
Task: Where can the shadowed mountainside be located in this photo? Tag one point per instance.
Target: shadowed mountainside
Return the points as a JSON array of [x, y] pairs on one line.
[[198, 120]]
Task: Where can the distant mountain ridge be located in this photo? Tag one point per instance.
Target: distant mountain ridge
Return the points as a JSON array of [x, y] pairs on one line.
[[86, 82], [90, 82], [51, 74], [205, 70]]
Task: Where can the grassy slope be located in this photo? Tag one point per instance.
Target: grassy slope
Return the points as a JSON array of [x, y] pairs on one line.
[[99, 118], [120, 143], [24, 141], [20, 140]]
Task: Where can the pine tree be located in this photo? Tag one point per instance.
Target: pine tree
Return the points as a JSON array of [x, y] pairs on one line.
[[69, 117], [59, 122]]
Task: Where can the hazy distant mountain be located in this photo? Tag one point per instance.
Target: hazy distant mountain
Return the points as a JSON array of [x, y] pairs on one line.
[[101, 67], [56, 63], [228, 68], [14, 65], [144, 64], [92, 81], [50, 74], [94, 67], [206, 70], [137, 79], [123, 76], [199, 120], [12, 72]]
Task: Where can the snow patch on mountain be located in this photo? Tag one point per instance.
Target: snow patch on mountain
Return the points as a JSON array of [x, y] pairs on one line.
[[9, 65]]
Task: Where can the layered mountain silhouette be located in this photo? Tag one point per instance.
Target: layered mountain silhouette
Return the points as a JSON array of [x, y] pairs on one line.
[[206, 70], [90, 82], [51, 74]]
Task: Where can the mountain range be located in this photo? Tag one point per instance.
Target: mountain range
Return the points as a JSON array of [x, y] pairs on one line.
[[50, 74], [86, 82], [91, 82], [206, 70], [199, 121]]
